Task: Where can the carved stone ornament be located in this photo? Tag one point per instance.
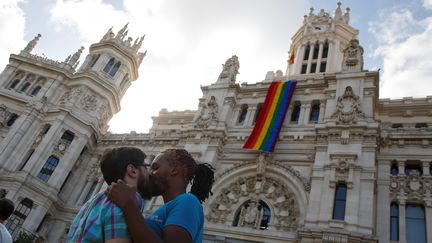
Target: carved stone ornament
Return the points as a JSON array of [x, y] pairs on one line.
[[208, 113], [353, 57], [414, 187], [4, 115], [348, 109], [251, 215], [230, 70], [280, 198]]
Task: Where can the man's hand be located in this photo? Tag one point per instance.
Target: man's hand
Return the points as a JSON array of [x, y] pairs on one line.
[[121, 194]]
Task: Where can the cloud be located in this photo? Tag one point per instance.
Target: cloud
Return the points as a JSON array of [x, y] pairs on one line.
[[404, 45], [427, 4], [12, 21]]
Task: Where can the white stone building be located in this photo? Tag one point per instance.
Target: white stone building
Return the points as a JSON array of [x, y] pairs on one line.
[[348, 166]]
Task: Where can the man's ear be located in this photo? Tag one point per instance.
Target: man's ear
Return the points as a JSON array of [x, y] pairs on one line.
[[131, 171]]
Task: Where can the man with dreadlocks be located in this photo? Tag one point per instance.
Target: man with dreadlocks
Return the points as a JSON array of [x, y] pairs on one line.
[[181, 218]]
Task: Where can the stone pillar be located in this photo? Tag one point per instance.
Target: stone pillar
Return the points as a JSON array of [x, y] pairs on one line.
[[330, 56], [401, 167], [321, 46], [17, 131], [309, 63], [306, 111], [67, 161], [7, 74], [35, 217], [248, 119], [288, 116], [302, 113], [402, 230], [235, 116], [299, 59], [321, 112], [426, 166]]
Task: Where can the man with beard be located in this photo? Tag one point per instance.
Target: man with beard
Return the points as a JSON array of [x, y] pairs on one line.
[[181, 218], [100, 220]]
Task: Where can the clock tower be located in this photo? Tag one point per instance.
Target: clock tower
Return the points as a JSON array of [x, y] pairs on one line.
[[317, 47]]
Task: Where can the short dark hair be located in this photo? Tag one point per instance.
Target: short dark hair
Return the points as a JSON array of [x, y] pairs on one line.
[[115, 161], [6, 208]]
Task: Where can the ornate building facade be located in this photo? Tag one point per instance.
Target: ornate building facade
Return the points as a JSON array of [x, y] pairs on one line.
[[348, 166]]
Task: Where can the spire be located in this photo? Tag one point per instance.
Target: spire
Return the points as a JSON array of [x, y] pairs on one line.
[[32, 44], [108, 35], [73, 60], [338, 12], [346, 15], [122, 32]]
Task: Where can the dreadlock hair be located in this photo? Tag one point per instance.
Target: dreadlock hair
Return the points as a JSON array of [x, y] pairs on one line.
[[201, 176]]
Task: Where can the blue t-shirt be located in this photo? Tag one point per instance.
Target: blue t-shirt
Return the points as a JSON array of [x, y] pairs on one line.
[[184, 211]]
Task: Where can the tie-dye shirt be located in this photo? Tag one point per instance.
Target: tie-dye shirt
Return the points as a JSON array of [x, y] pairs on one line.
[[100, 220]]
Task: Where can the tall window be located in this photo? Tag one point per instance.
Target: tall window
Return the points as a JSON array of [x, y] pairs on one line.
[[36, 90], [14, 84], [394, 169], [325, 50], [394, 222], [314, 114], [67, 136], [112, 68], [27, 158], [94, 60], [257, 112], [415, 223], [306, 54], [242, 115], [340, 201], [296, 112], [12, 119], [109, 65], [19, 215], [25, 87], [48, 168]]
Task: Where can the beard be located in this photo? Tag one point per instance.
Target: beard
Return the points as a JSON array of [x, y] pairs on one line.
[[144, 188], [158, 185]]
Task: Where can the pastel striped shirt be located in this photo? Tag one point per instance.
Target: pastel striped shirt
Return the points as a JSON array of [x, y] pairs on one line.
[[100, 220]]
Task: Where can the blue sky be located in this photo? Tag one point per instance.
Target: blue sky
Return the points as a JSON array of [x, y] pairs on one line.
[[188, 40]]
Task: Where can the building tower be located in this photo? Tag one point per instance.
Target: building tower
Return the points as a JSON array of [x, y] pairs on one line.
[[51, 119]]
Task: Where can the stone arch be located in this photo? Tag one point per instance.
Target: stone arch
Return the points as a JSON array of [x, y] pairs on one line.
[[280, 187]]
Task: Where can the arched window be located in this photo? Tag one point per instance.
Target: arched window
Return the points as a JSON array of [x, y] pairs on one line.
[[36, 90], [415, 223], [14, 84], [257, 112], [394, 222], [68, 136], [253, 209], [242, 115], [19, 215], [340, 201], [12, 119], [25, 87], [296, 112], [394, 169], [94, 60], [48, 168], [306, 54], [314, 114], [114, 69], [109, 65]]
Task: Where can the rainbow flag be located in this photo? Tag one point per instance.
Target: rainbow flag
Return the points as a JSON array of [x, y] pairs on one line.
[[269, 122]]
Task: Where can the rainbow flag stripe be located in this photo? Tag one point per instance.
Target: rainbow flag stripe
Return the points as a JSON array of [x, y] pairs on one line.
[[269, 122]]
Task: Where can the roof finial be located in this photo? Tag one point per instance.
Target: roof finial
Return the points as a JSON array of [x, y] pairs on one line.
[[122, 32], [32, 44], [73, 60], [338, 11]]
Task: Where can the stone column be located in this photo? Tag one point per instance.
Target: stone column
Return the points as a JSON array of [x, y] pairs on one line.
[[302, 113], [248, 119], [299, 59], [426, 166], [288, 116], [236, 113], [35, 217], [309, 63], [402, 234], [7, 74], [306, 111], [330, 56], [321, 112], [401, 167], [321, 46]]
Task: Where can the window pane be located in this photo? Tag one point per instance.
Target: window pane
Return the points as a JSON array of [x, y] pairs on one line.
[[415, 224]]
